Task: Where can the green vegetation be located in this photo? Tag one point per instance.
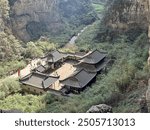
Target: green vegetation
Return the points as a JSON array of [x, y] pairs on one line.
[[123, 78], [10, 47], [38, 49], [4, 8], [7, 68], [98, 7], [124, 82], [9, 86], [118, 87], [66, 34], [26, 103]]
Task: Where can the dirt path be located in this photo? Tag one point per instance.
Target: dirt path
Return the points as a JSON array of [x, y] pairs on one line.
[[28, 68]]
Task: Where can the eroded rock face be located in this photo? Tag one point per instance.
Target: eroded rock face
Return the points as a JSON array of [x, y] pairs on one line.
[[127, 13], [32, 18], [102, 108]]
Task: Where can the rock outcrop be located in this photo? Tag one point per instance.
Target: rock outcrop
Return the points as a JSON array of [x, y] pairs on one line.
[[33, 18], [129, 17], [128, 13], [102, 108]]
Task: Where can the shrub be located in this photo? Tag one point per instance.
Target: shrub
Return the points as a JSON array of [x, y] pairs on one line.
[[27, 103], [9, 86]]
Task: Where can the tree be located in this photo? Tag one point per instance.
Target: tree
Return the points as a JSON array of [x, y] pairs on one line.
[[32, 51], [10, 47], [4, 8], [9, 86]]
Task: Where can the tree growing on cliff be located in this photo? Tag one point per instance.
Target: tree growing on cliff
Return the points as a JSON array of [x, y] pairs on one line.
[[4, 8]]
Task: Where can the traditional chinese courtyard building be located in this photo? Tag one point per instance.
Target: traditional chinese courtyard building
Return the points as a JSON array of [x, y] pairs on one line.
[[94, 61], [39, 83], [79, 80], [65, 71]]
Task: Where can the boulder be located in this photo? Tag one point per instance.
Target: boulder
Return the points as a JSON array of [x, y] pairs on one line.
[[102, 108]]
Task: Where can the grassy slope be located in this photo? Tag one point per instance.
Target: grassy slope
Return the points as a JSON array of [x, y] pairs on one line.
[[137, 86]]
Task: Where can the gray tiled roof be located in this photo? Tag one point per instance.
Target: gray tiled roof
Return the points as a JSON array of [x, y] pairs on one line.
[[92, 67], [41, 68], [55, 56], [79, 79], [39, 80], [94, 57]]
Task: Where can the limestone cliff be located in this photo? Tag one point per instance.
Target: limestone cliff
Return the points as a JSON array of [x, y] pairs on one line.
[[33, 18], [128, 13]]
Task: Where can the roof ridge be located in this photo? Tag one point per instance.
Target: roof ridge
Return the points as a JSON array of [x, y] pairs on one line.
[[89, 53], [26, 77], [39, 73], [47, 76]]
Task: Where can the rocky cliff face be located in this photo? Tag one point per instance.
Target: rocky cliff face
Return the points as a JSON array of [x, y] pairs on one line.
[[33, 18], [128, 13]]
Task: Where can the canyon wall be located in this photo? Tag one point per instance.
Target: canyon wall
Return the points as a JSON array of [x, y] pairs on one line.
[[33, 18], [128, 13]]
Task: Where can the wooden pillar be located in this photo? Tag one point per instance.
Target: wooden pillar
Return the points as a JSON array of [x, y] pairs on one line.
[[19, 73]]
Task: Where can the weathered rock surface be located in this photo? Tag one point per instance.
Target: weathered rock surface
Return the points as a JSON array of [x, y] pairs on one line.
[[32, 18], [102, 108], [127, 13]]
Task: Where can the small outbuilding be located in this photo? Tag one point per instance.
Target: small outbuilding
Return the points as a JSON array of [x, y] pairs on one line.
[[39, 83]]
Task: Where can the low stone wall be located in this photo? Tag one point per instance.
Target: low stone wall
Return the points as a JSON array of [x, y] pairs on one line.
[[33, 90]]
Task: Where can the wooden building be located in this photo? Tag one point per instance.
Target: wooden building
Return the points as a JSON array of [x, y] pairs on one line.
[[54, 59], [39, 83], [94, 61], [87, 66], [79, 80], [41, 69]]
